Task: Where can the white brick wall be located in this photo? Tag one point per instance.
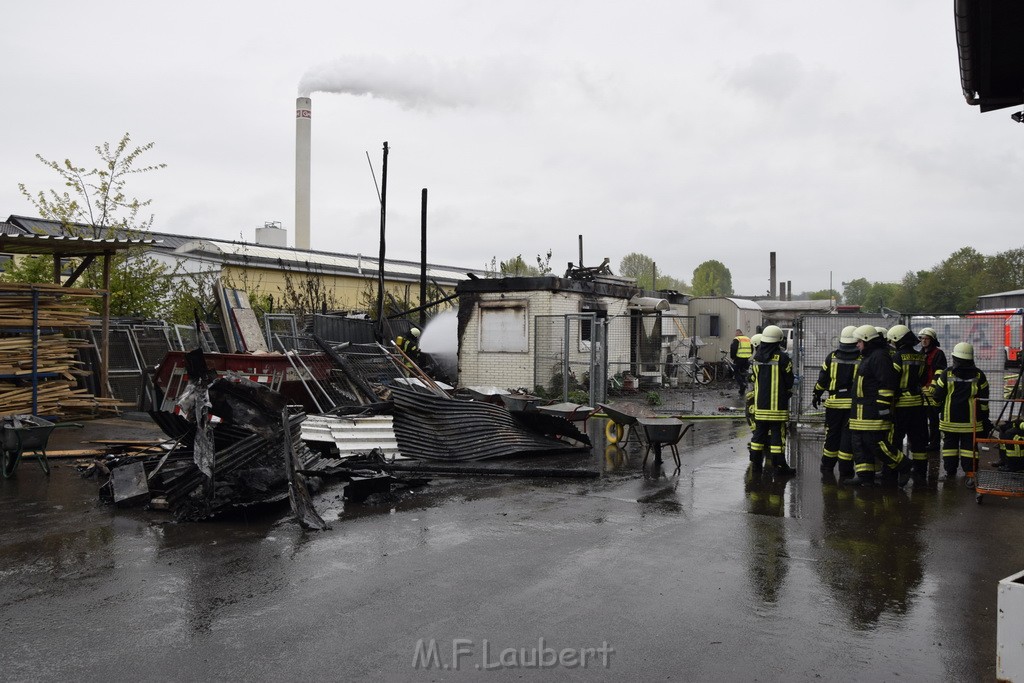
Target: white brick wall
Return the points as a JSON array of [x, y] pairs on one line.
[[516, 370]]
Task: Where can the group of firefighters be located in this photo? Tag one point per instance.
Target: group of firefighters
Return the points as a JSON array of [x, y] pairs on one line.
[[881, 391]]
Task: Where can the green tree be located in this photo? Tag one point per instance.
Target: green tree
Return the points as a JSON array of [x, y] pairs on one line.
[[667, 282], [955, 283], [856, 292], [640, 267], [1007, 270], [518, 267], [96, 205], [905, 298], [824, 294], [97, 199], [192, 293], [28, 269], [880, 295], [712, 278]]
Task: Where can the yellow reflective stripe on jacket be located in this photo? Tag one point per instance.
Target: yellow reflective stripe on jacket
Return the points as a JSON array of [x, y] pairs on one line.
[[863, 425], [958, 427], [771, 415], [909, 400], [831, 402]]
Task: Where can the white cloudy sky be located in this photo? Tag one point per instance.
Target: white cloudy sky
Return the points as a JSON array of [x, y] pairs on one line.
[[831, 132]]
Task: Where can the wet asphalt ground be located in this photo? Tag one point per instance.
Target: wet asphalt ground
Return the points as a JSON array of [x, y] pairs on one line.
[[702, 575]]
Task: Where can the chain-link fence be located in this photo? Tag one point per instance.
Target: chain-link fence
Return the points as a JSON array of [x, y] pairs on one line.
[[817, 335], [569, 356], [591, 354]]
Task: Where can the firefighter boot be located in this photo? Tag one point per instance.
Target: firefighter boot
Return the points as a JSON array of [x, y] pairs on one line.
[[845, 469], [903, 471], [861, 479], [781, 468], [950, 463], [756, 462], [828, 464]]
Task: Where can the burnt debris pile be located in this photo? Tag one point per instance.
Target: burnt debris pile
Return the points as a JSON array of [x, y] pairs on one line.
[[236, 444], [240, 438]]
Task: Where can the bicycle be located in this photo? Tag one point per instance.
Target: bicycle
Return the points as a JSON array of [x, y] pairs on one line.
[[729, 371], [697, 370], [728, 367]]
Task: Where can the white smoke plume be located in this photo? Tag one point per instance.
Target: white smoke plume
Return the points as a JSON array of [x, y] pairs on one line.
[[417, 82]]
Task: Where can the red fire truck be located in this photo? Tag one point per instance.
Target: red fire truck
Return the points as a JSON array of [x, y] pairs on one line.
[[995, 327]]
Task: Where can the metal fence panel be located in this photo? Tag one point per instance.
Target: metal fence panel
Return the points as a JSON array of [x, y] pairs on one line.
[[338, 329], [986, 335], [568, 355], [278, 324], [649, 347], [589, 353], [817, 335], [152, 342]]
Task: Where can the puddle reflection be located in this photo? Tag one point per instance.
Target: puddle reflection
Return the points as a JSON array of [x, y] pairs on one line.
[[870, 553], [769, 558]]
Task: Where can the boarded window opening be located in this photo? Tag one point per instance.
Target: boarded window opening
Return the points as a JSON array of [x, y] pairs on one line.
[[503, 327]]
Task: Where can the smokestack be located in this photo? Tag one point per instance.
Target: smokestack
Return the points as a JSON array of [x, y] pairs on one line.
[[789, 290], [782, 291], [303, 128], [771, 275]]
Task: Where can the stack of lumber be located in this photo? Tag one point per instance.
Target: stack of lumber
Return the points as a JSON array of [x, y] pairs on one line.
[[57, 366], [56, 354], [59, 307]]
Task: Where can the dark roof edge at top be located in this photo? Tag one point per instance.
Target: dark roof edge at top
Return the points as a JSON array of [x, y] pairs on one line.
[[990, 52], [964, 22]]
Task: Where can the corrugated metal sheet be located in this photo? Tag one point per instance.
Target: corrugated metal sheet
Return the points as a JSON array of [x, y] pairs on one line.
[[433, 427], [66, 245], [353, 435]]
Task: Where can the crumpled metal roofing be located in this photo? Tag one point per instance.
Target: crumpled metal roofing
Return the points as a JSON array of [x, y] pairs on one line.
[[433, 427], [353, 435]]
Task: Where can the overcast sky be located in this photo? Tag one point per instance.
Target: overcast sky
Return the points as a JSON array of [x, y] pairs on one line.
[[831, 132]]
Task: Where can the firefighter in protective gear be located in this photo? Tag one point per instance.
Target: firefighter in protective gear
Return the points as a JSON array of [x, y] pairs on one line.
[[874, 393], [911, 415], [409, 345], [934, 361], [1011, 455], [749, 398], [740, 352], [772, 371], [836, 377], [961, 392]]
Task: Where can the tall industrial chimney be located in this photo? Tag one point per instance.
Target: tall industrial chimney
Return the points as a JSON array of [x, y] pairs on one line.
[[303, 126], [771, 275]]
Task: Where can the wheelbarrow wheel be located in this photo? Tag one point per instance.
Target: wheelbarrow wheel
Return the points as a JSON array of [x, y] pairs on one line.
[[9, 462], [613, 431]]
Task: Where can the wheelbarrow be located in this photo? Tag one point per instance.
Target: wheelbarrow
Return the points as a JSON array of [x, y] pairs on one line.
[[621, 416], [22, 435], [663, 432]]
